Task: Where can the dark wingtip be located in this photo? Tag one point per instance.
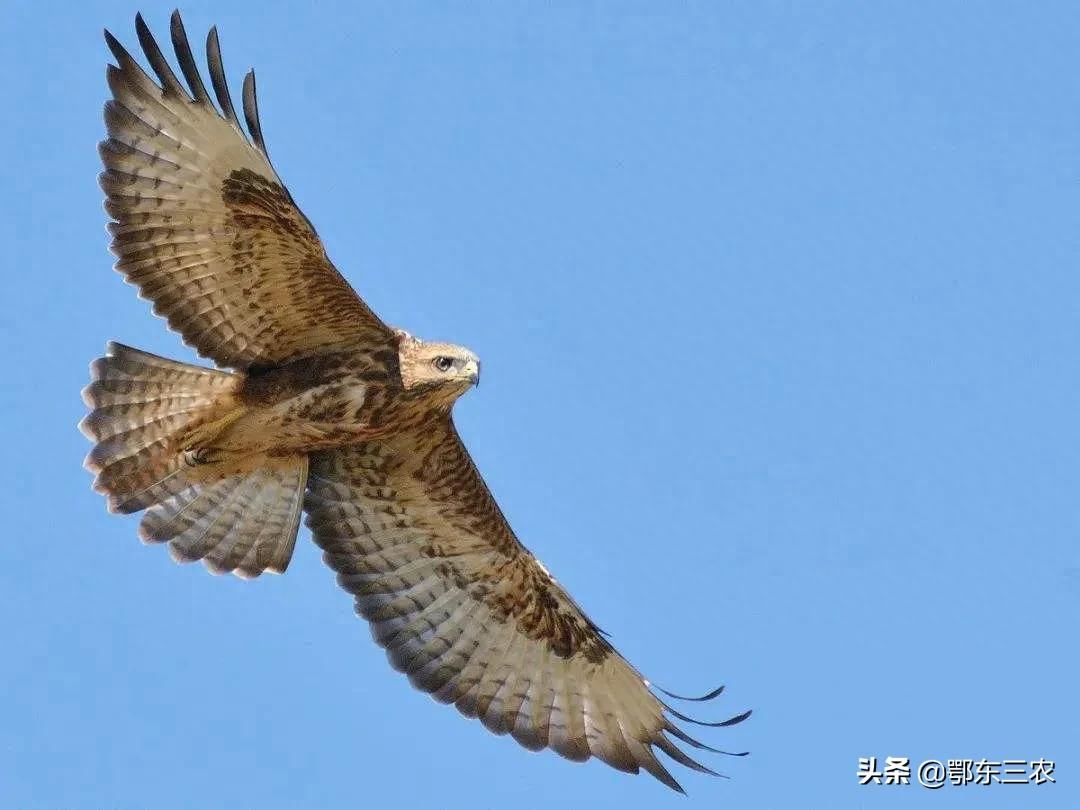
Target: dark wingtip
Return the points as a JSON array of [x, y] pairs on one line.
[[142, 31], [188, 66], [217, 78], [251, 113], [731, 721], [708, 696], [673, 729], [736, 720], [673, 751], [117, 49]]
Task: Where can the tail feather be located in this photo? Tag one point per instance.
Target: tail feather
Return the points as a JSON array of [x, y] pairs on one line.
[[240, 516], [244, 524], [117, 441], [126, 362], [138, 401], [115, 420], [128, 477]]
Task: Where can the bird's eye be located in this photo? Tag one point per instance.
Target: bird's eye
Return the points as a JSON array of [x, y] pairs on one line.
[[443, 363]]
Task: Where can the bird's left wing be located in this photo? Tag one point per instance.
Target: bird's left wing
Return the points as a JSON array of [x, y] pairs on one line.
[[203, 225], [470, 615]]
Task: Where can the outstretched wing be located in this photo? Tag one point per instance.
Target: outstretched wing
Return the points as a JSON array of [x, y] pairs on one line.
[[204, 226], [470, 615]]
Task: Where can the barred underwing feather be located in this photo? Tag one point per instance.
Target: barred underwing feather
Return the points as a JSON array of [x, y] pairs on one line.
[[268, 293], [467, 613]]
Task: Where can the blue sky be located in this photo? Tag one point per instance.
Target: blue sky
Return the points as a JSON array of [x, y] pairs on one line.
[[779, 312]]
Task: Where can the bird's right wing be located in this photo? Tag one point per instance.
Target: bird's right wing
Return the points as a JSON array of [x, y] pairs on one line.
[[205, 227], [470, 615]]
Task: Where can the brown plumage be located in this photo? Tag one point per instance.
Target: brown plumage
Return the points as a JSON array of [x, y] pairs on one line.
[[317, 405]]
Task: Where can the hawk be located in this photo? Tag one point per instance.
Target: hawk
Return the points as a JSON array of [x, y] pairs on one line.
[[317, 406]]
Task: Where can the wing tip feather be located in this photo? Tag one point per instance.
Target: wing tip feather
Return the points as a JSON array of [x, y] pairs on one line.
[[251, 113], [188, 65], [218, 78], [113, 44], [170, 85]]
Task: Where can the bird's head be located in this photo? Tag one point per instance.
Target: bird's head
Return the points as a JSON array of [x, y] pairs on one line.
[[441, 371]]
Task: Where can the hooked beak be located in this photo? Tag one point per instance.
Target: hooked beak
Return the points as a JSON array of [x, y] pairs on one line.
[[472, 368]]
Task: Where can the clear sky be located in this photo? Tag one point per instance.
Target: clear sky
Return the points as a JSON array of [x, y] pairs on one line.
[[778, 306]]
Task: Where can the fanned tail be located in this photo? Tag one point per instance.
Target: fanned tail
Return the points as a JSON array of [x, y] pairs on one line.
[[241, 517], [139, 402]]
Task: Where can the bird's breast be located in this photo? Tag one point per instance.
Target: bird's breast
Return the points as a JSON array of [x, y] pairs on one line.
[[315, 404]]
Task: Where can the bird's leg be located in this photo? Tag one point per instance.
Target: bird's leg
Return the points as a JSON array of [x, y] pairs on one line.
[[197, 441]]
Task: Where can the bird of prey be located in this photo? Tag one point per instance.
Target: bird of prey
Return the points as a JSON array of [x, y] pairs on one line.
[[316, 405]]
